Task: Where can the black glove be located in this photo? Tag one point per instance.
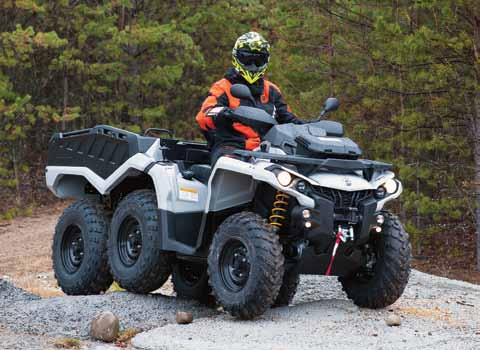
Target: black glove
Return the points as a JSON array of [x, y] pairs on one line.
[[222, 117]]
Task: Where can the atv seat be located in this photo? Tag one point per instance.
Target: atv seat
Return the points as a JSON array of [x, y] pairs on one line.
[[201, 172]]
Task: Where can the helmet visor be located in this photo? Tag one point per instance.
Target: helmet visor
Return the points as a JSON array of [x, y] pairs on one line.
[[249, 58]]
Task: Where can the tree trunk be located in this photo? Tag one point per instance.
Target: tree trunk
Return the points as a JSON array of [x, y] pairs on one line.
[[476, 131], [65, 98], [477, 176], [18, 196]]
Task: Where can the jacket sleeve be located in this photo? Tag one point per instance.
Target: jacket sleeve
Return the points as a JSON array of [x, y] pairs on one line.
[[283, 113], [216, 97]]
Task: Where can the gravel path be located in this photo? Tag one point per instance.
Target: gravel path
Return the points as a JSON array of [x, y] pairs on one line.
[[70, 316], [436, 313]]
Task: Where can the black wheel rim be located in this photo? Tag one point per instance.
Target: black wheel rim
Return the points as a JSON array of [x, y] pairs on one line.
[[129, 241], [191, 273], [72, 249], [235, 265]]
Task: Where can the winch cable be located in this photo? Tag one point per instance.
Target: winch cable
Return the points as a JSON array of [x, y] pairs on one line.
[[338, 239]]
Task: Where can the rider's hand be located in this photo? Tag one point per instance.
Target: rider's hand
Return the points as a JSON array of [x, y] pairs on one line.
[[222, 116]]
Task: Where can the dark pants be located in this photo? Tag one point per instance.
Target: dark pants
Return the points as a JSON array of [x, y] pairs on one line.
[[222, 150]]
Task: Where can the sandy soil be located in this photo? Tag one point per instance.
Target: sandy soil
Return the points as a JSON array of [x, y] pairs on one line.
[[26, 258]]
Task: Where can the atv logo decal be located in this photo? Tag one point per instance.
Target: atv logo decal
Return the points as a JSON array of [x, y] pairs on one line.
[[188, 194], [347, 181]]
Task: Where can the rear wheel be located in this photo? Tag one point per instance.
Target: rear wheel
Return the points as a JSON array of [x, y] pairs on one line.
[[136, 259], [245, 265], [190, 280], [79, 250], [382, 281]]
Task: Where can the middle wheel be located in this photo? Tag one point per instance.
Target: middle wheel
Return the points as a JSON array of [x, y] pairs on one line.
[[245, 265], [136, 259], [190, 280]]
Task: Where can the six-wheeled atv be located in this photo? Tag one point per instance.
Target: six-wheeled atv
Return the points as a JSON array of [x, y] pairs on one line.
[[242, 230]]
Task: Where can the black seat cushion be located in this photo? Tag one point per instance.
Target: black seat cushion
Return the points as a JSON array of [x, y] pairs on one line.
[[201, 172]]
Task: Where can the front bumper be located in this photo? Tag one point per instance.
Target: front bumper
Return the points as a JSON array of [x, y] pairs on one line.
[[325, 218]]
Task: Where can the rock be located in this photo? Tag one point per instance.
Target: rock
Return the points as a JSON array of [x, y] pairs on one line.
[[393, 320], [184, 317], [105, 327]]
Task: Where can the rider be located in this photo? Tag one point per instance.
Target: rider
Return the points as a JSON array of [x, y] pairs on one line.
[[250, 55]]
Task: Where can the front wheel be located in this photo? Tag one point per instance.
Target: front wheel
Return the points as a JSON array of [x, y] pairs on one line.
[[245, 265], [291, 279], [383, 279]]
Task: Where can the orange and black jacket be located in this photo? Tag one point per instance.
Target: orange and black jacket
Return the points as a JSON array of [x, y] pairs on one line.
[[267, 96]]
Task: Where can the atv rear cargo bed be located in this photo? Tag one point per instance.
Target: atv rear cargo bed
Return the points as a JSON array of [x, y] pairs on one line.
[[102, 148]]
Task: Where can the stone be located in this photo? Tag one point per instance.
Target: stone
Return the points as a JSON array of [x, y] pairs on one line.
[[184, 317], [393, 320], [105, 327]]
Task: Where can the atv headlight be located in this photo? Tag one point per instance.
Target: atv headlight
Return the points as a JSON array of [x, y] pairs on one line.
[[380, 192], [391, 186], [284, 178], [301, 186], [387, 188]]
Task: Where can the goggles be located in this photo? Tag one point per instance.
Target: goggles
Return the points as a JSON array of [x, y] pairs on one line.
[[248, 58]]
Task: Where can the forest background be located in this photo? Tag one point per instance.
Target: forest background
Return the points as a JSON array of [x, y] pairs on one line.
[[407, 74]]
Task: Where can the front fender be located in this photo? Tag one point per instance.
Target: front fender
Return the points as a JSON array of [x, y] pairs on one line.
[[233, 182]]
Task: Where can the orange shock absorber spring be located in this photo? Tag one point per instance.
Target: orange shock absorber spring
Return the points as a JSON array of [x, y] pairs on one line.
[[279, 210]]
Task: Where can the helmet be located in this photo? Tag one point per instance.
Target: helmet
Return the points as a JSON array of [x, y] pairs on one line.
[[250, 56]]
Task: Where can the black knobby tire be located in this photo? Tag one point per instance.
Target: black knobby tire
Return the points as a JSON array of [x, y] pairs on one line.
[[290, 281], [79, 250], [190, 280], [136, 259], [385, 283], [245, 265]]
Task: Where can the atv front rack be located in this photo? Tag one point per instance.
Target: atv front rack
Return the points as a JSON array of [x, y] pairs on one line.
[[365, 165]]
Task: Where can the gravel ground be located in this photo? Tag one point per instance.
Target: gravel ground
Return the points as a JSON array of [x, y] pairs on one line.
[[10, 293], [70, 316], [436, 313]]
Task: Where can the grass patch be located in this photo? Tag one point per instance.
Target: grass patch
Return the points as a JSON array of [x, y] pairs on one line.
[[115, 287], [34, 286], [125, 336], [67, 343]]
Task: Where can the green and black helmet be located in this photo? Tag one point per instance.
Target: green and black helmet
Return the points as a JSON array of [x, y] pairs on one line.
[[250, 55]]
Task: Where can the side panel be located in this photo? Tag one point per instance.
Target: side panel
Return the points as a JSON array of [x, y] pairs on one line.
[[181, 204], [231, 189], [180, 231]]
